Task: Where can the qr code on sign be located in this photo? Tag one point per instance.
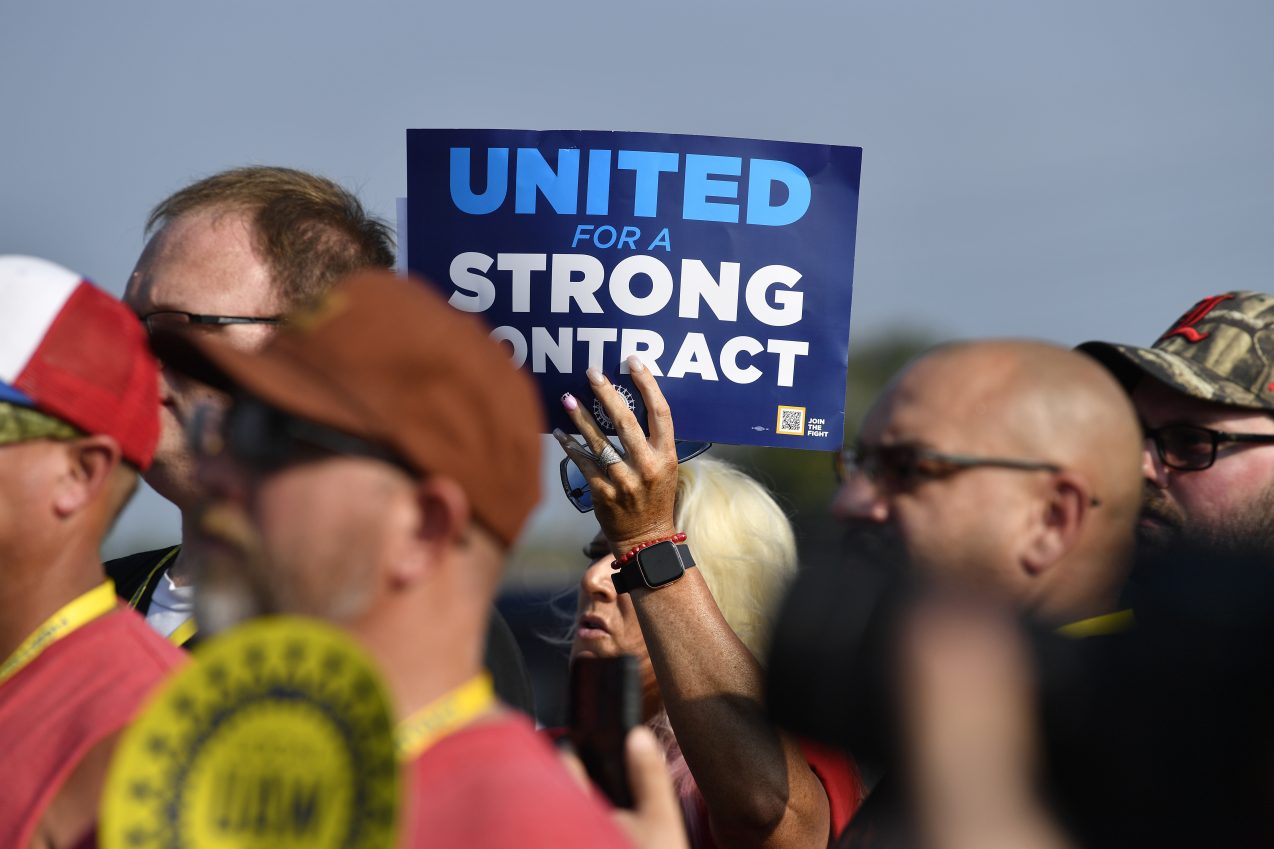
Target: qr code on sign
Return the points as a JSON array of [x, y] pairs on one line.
[[791, 421]]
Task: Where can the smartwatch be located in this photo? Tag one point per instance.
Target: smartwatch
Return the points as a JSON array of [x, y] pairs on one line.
[[654, 567]]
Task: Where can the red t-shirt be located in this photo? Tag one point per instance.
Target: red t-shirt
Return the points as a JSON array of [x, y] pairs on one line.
[[834, 769], [836, 772], [78, 691], [498, 784]]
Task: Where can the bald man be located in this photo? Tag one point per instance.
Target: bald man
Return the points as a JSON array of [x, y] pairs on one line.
[[1010, 465]]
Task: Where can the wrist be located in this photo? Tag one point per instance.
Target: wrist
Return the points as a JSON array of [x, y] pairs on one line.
[[676, 538], [653, 564], [621, 547]]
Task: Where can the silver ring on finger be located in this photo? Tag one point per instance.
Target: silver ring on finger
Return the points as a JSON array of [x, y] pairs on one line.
[[608, 457]]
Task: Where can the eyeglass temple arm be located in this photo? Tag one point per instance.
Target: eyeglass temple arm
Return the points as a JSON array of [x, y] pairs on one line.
[[231, 319], [1244, 437], [995, 462]]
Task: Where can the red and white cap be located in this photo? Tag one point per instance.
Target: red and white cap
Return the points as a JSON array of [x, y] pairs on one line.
[[70, 350]]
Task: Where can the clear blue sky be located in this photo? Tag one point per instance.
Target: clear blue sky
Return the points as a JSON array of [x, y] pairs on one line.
[[1073, 170]]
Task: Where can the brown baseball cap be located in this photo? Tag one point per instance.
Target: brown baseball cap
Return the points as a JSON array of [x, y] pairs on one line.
[[1221, 350], [386, 359]]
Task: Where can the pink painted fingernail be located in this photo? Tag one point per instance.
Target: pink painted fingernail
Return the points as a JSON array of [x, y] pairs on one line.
[[595, 377], [635, 364], [569, 402]]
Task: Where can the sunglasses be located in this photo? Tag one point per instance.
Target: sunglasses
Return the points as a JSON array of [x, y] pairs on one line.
[[267, 439], [898, 468], [575, 485], [181, 320]]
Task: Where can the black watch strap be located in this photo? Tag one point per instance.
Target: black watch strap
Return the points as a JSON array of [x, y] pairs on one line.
[[630, 577]]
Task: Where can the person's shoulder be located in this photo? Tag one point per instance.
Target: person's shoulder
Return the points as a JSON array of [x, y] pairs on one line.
[[506, 755], [508, 735], [122, 642], [132, 571], [500, 783], [147, 643]]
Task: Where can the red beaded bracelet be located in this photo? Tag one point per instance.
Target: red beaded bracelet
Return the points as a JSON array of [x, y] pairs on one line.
[[676, 538]]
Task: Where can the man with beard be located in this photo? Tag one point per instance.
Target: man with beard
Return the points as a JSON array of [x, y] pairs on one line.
[[1205, 392], [228, 256], [378, 459], [1010, 466]]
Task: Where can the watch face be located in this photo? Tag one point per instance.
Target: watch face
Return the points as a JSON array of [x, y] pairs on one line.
[[660, 564]]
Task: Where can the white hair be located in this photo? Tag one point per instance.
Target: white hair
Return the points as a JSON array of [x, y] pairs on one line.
[[742, 542]]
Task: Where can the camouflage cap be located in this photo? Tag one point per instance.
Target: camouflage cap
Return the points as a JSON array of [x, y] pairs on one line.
[[1221, 350], [22, 424]]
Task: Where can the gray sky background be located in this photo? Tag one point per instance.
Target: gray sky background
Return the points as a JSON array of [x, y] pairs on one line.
[[1068, 170]]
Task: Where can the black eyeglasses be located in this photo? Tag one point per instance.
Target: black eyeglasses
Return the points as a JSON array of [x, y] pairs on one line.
[[575, 485], [267, 439], [1191, 448], [902, 467], [180, 320]]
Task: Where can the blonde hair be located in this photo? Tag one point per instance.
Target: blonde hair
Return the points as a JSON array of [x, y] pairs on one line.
[[742, 542], [743, 545]]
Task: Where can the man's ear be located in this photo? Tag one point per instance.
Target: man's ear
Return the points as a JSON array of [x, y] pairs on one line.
[[90, 461], [1059, 522], [441, 521]]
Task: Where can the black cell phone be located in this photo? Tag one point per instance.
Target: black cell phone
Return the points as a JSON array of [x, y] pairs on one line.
[[605, 704]]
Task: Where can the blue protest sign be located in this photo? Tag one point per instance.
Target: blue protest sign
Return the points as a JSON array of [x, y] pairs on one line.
[[725, 264]]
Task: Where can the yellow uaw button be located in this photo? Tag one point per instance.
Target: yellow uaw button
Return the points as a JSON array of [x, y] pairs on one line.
[[279, 735]]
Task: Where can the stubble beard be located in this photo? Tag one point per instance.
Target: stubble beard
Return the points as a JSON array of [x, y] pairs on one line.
[[1249, 528]]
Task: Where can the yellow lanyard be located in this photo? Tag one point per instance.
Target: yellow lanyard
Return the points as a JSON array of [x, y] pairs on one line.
[[444, 715], [184, 632], [1099, 626], [96, 602]]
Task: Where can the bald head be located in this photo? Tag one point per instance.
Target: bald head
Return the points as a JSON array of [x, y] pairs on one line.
[[1054, 530], [1039, 400]]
